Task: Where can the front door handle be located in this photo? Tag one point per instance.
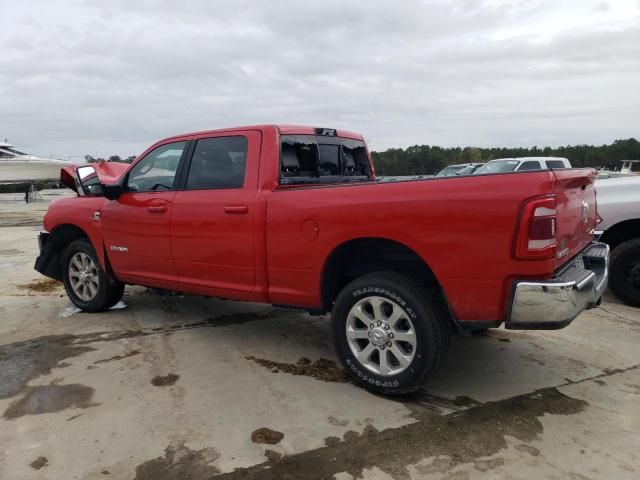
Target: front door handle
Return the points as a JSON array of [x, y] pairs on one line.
[[157, 208], [236, 209]]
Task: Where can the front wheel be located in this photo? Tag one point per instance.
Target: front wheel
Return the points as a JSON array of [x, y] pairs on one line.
[[87, 285], [391, 333], [624, 272]]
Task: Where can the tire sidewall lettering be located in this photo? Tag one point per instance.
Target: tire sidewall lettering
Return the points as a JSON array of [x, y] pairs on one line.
[[359, 371]]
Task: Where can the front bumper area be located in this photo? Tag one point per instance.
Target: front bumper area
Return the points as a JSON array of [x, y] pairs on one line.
[[555, 303], [47, 262]]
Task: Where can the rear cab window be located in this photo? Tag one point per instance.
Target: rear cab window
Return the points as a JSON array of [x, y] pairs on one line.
[[530, 165], [555, 164], [313, 159]]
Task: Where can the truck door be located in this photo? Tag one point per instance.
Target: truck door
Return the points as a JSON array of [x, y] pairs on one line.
[[137, 226], [212, 227]]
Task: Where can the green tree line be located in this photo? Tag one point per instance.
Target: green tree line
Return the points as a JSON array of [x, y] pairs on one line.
[[428, 160]]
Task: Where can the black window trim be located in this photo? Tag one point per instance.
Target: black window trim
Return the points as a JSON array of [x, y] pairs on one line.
[[184, 172], [176, 179]]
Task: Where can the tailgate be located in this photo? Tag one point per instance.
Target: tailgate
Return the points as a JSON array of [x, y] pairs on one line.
[[576, 211]]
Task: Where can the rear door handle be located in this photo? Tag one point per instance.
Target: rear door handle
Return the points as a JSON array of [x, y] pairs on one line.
[[157, 208], [236, 208]]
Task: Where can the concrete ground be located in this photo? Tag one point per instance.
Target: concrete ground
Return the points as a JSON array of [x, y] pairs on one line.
[[184, 387]]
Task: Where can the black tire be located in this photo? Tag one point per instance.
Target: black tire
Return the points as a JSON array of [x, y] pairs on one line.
[[624, 272], [109, 290], [426, 312]]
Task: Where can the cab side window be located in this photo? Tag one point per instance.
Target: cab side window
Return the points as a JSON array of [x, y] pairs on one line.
[[530, 165], [218, 162], [157, 170]]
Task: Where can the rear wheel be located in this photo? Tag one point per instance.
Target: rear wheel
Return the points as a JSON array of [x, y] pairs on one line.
[[390, 332], [624, 272], [86, 283]]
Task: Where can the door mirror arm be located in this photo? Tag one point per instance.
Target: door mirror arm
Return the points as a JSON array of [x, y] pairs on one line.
[[112, 192]]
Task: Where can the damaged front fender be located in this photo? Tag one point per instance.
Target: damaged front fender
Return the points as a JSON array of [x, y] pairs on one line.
[[108, 172]]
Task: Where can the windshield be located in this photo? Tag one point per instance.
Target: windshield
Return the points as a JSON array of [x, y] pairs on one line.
[[498, 166], [450, 170]]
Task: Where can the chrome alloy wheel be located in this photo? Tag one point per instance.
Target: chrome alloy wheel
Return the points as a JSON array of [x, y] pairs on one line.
[[83, 276], [381, 335]]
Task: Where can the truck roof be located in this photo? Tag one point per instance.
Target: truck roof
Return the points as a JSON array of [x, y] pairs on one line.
[[283, 129]]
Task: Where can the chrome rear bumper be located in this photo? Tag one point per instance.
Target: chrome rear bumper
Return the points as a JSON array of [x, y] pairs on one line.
[[554, 304]]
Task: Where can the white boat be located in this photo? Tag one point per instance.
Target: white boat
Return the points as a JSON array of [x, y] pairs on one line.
[[18, 165], [630, 167], [8, 153]]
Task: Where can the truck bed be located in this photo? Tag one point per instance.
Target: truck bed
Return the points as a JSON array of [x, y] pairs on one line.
[[462, 227]]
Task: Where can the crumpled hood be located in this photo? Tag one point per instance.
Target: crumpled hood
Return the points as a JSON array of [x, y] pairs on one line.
[[108, 172]]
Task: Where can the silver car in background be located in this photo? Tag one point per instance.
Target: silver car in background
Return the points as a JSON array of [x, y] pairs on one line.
[[459, 169], [619, 208]]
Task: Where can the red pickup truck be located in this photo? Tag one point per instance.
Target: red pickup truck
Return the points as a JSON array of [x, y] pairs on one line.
[[294, 216]]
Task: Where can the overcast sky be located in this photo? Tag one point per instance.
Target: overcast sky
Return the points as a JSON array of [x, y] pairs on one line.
[[113, 76]]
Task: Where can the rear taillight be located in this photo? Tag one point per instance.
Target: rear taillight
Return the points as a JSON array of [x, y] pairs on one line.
[[536, 235]]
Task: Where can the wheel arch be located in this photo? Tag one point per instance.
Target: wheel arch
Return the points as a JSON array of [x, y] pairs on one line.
[[358, 256], [621, 232], [57, 240]]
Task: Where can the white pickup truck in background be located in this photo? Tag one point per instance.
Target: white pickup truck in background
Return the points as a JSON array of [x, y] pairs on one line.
[[520, 164], [619, 209]]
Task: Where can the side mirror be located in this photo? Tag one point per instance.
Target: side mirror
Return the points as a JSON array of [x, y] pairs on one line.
[[87, 181]]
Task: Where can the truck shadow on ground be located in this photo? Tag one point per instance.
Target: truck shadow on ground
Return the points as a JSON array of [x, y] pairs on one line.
[[488, 366], [493, 365]]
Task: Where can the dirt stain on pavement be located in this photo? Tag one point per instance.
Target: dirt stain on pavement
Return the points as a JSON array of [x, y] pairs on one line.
[[338, 423], [179, 463], [488, 464], [321, 369], [222, 321], [118, 357], [461, 437], [21, 219], [464, 401], [272, 455], [10, 252], [332, 441], [533, 451], [266, 435], [50, 398], [21, 362], [39, 462], [45, 285], [164, 380]]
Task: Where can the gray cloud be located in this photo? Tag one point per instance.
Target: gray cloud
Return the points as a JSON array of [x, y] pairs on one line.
[[101, 77]]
